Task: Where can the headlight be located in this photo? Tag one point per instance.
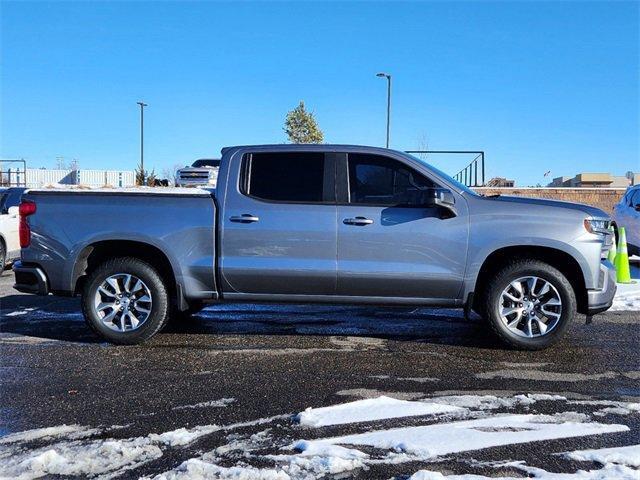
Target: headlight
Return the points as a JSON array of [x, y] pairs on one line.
[[593, 225]]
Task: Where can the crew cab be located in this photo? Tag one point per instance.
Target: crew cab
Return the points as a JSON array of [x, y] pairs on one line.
[[322, 224]]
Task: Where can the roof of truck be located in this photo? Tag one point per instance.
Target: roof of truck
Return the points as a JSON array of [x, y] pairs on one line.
[[324, 147]]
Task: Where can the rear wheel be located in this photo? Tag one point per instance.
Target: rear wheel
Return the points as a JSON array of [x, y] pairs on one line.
[[529, 304], [125, 301]]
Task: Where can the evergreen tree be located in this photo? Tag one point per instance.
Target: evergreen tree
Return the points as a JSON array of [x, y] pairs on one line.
[[301, 126]]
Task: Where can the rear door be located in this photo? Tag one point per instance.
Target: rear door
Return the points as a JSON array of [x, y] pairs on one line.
[[389, 244], [279, 225]]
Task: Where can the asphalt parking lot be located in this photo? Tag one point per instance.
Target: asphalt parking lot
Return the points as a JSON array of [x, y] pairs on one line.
[[228, 384]]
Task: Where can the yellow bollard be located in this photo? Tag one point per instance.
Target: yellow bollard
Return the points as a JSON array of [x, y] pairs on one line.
[[623, 273], [611, 256]]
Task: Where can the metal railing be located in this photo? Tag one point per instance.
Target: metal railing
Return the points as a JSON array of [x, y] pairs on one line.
[[13, 177], [469, 174]]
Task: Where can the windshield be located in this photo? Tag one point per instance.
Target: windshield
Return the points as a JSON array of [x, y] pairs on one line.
[[448, 178], [206, 163]]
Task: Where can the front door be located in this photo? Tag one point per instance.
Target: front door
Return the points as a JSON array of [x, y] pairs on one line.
[[279, 225], [389, 244]]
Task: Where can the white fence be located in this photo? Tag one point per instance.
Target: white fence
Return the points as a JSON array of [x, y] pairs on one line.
[[40, 177]]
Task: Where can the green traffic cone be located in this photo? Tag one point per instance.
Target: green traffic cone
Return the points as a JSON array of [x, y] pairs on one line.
[[623, 273], [611, 256]]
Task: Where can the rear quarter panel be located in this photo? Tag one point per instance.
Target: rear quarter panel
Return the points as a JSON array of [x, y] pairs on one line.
[[181, 226]]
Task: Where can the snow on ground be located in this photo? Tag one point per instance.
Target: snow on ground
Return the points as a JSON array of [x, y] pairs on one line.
[[627, 297], [48, 433], [369, 410], [492, 402], [610, 406], [609, 472], [629, 456], [249, 456], [430, 441], [223, 402]]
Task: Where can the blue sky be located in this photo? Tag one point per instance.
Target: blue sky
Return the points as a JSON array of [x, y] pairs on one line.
[[539, 86]]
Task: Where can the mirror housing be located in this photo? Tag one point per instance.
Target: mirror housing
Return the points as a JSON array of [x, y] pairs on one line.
[[13, 210], [440, 197]]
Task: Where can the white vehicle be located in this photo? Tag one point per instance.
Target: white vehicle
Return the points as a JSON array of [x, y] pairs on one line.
[[9, 222], [626, 214], [203, 173]]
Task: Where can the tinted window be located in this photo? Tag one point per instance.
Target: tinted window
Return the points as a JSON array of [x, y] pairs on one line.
[[377, 180], [287, 177]]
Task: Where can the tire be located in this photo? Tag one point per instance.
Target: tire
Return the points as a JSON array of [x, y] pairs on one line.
[[133, 299], [3, 258], [553, 319]]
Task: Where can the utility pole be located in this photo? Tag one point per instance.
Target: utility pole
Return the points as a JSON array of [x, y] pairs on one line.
[[388, 77], [142, 105]]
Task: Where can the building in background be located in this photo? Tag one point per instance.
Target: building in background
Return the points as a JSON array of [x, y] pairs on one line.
[[41, 177], [501, 182], [596, 180]]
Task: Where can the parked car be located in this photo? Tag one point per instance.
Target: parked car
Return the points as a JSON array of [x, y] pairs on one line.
[[9, 243], [626, 214], [324, 224], [203, 173]]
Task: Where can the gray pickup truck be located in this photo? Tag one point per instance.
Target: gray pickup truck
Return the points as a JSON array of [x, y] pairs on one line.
[[317, 223]]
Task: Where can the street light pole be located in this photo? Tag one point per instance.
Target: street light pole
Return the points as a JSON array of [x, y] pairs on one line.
[[388, 77], [142, 105]]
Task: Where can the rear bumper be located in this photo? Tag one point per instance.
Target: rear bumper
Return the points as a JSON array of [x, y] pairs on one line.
[[600, 300], [30, 279]]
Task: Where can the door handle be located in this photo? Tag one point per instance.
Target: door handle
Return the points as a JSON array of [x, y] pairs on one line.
[[360, 221], [244, 218]]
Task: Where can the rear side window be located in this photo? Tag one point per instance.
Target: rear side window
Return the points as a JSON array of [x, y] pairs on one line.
[[378, 180], [297, 177]]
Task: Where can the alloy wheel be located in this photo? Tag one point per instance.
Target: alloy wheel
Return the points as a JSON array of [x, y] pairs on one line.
[[123, 302], [530, 307]]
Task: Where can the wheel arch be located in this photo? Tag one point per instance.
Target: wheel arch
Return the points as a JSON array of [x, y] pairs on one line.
[[94, 254], [557, 258]]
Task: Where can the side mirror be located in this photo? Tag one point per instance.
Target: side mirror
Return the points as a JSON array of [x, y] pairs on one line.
[[13, 210], [440, 197], [637, 207]]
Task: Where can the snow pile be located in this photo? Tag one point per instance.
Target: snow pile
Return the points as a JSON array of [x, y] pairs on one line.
[[77, 458], [627, 297], [629, 456], [430, 441], [370, 409]]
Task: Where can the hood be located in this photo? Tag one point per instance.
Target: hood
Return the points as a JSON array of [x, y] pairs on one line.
[[543, 202], [197, 169]]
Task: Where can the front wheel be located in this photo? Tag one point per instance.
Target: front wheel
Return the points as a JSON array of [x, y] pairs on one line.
[[125, 301], [529, 304]]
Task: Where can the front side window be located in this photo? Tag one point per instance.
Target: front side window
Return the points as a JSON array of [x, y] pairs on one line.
[[382, 181], [287, 177]]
